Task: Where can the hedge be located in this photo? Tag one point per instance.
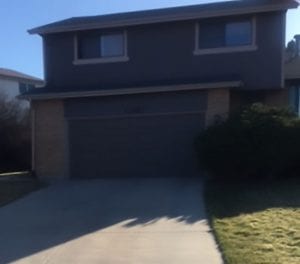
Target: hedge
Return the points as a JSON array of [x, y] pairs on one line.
[[258, 142]]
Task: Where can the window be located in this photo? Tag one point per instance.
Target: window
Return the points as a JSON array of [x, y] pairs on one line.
[[238, 34], [25, 87], [112, 45], [212, 36], [106, 47]]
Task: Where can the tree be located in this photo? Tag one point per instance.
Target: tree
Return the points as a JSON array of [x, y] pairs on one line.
[[291, 49], [15, 146]]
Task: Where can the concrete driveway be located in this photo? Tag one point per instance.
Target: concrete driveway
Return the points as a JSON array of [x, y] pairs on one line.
[[130, 221]]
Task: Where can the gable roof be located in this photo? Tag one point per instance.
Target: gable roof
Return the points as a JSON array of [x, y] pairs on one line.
[[18, 76], [166, 15]]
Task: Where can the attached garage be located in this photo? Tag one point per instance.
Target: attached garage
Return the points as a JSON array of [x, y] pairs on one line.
[[135, 136], [108, 134]]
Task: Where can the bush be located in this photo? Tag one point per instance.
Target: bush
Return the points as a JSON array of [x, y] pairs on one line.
[[258, 142], [15, 146]]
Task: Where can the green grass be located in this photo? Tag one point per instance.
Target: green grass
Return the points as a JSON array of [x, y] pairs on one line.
[[12, 190], [256, 223]]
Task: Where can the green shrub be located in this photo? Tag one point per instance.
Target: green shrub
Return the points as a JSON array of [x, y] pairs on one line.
[[258, 142]]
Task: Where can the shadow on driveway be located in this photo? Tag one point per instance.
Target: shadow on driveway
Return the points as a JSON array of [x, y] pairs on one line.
[[64, 212]]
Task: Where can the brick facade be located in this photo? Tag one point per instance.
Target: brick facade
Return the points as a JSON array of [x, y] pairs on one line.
[[49, 141]]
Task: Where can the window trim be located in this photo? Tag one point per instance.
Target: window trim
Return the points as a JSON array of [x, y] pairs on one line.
[[242, 48], [114, 59]]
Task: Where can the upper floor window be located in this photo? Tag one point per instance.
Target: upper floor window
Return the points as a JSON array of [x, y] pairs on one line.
[[112, 45], [225, 36], [238, 33], [101, 48]]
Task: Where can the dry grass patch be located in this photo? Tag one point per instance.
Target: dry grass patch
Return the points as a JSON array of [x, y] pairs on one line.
[[256, 224]]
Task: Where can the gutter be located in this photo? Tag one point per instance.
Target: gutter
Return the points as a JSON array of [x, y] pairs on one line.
[[131, 91]]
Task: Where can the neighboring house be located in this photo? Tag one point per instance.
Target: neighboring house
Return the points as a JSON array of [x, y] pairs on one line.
[[127, 94], [13, 83], [292, 73]]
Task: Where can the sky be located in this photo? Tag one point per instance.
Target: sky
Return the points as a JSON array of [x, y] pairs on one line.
[[23, 52]]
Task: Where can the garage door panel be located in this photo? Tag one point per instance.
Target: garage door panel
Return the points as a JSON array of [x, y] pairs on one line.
[[152, 146], [154, 103]]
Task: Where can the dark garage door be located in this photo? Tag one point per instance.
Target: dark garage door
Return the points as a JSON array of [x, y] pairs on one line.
[[160, 145]]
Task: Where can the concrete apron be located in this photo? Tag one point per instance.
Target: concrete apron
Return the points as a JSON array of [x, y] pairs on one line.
[[157, 221]]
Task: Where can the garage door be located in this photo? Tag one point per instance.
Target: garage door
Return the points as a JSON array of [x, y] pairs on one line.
[[135, 136], [152, 146]]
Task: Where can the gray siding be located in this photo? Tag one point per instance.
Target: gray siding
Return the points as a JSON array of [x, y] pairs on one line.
[[165, 52]]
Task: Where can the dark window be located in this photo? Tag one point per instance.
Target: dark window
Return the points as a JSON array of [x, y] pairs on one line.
[[211, 35], [25, 87], [225, 34], [92, 46], [88, 47]]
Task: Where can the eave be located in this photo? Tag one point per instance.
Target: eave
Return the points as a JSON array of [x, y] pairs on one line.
[[131, 91]]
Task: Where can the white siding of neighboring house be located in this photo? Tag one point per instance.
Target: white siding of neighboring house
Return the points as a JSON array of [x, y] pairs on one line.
[[10, 89]]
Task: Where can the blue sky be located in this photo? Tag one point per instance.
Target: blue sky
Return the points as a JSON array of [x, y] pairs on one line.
[[23, 52]]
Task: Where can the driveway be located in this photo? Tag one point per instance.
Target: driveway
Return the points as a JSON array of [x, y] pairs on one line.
[[129, 221]]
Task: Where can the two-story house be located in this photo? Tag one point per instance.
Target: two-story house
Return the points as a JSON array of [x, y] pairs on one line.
[[13, 83], [127, 94]]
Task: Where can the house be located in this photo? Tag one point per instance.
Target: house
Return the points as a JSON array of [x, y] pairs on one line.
[[126, 94], [13, 83], [292, 73]]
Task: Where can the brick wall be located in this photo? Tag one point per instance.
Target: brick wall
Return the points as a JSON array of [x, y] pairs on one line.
[[218, 102], [49, 143]]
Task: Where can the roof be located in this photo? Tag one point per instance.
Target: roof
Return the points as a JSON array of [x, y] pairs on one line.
[[18, 76], [145, 88], [165, 15], [43, 94]]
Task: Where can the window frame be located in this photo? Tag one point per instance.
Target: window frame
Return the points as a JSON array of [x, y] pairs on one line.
[[225, 49], [96, 60]]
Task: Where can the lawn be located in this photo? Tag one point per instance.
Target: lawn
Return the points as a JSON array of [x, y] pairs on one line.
[[11, 190], [256, 223]]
